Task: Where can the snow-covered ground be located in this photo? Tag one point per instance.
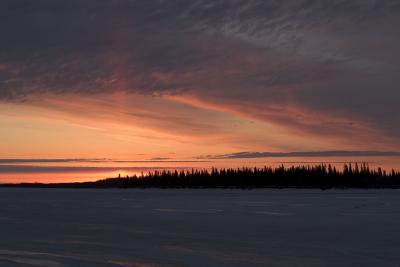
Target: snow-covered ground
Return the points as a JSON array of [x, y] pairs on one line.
[[183, 227]]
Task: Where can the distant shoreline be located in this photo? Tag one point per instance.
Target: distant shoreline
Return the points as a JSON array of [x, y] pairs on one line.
[[79, 187], [320, 176]]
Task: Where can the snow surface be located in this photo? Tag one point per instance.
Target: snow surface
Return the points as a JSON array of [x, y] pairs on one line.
[[198, 227]]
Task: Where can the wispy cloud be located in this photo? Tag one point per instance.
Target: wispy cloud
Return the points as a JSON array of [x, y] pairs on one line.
[[14, 160], [305, 154]]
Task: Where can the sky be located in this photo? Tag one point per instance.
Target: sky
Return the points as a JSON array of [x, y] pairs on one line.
[[198, 79]]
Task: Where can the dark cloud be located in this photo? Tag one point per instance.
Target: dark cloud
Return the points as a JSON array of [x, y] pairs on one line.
[[334, 58], [305, 154], [160, 158]]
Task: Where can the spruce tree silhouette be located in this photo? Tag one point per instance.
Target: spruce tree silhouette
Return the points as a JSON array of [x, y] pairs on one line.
[[318, 176]]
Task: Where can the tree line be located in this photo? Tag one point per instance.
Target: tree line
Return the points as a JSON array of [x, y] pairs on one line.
[[316, 176]]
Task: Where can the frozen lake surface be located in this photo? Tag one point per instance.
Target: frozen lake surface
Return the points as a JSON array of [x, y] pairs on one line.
[[189, 227]]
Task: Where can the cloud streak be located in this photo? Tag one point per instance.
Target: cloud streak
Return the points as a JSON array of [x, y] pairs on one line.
[[152, 160], [26, 169], [305, 154]]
